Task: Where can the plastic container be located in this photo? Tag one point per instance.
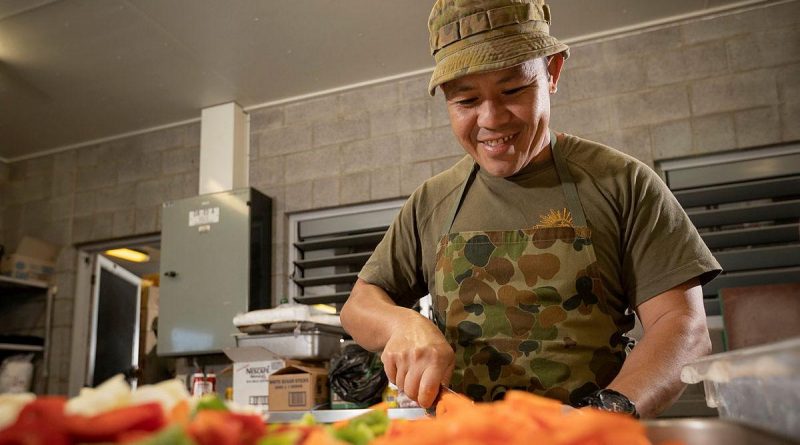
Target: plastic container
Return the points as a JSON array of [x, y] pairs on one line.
[[758, 386], [16, 374]]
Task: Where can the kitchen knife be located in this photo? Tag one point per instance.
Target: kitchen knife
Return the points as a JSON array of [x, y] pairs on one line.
[[431, 411]]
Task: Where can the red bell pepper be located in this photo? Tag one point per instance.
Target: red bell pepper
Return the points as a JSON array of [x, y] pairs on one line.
[[40, 422], [211, 427], [112, 425]]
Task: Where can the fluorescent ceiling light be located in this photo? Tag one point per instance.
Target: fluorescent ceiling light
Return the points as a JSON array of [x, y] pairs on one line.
[[129, 254]]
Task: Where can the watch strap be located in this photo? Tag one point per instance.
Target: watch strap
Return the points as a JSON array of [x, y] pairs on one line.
[[609, 400]]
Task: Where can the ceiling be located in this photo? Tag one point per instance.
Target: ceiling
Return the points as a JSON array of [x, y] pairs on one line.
[[74, 71]]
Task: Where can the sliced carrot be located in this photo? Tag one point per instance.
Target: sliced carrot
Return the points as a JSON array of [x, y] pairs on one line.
[[518, 419], [179, 413]]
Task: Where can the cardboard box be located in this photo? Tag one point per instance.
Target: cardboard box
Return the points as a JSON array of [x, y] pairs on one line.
[[34, 259], [298, 388], [252, 366]]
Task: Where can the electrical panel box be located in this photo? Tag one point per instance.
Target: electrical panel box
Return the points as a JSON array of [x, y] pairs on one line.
[[215, 263]]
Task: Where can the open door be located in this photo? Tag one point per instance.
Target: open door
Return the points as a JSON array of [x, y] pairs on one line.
[[114, 344]]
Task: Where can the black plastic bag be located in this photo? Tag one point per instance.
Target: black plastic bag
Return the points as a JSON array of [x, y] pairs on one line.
[[357, 376]]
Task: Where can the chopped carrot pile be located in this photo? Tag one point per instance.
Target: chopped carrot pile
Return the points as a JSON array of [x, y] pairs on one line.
[[521, 418]]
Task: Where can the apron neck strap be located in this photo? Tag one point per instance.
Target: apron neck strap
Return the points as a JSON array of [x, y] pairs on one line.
[[449, 222], [568, 184]]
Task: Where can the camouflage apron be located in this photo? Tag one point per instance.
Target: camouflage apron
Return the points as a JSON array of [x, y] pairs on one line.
[[525, 309]]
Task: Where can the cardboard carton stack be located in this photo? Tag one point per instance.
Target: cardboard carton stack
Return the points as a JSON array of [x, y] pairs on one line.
[[34, 259]]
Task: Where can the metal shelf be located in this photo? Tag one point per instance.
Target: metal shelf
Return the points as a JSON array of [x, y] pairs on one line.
[[8, 283], [338, 260], [362, 239], [780, 233], [752, 278], [338, 297], [738, 215], [20, 347], [735, 260], [327, 279], [746, 191]]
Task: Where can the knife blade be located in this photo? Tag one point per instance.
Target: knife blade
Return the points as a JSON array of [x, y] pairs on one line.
[[431, 410]]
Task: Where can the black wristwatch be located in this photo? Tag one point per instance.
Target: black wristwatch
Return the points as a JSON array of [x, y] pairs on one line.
[[609, 400]]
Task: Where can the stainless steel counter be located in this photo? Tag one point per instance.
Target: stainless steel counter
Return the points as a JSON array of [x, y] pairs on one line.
[[690, 431], [710, 431], [335, 415]]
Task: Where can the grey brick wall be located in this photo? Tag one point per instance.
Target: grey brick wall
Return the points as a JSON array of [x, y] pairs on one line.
[[706, 85], [372, 143], [93, 193], [710, 84]]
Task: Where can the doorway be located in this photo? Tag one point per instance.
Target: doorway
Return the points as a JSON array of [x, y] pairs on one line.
[[116, 301], [116, 293]]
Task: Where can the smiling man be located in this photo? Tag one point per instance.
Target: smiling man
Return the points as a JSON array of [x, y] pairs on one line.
[[501, 117], [537, 247]]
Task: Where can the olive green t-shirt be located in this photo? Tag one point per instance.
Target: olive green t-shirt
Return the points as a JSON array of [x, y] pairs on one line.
[[643, 240]]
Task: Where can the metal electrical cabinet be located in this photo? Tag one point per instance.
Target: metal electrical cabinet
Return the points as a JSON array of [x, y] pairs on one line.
[[215, 263]]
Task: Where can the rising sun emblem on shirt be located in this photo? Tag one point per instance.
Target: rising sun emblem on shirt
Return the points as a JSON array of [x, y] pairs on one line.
[[555, 218]]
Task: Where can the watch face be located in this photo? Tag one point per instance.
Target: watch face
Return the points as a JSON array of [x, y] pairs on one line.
[[610, 400], [617, 402]]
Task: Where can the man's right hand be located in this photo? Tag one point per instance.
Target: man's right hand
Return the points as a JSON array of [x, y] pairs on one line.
[[415, 355], [418, 359]]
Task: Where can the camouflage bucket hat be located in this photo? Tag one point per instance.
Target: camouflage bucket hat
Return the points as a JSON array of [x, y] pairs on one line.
[[475, 36]]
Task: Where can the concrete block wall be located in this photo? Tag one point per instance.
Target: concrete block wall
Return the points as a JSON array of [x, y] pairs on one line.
[[94, 193], [707, 85], [710, 84], [368, 144]]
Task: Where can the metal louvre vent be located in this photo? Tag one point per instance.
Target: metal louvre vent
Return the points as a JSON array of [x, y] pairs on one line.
[[330, 247], [746, 206]]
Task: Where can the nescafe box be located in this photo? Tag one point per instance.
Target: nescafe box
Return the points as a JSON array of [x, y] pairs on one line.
[[298, 388]]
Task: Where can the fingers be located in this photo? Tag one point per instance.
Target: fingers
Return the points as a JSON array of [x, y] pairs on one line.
[[437, 370], [417, 353], [429, 384], [411, 381], [448, 373], [435, 377], [401, 377], [396, 368], [389, 366], [408, 374]]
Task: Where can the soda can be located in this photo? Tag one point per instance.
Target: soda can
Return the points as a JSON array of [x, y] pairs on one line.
[[211, 379], [199, 384]]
